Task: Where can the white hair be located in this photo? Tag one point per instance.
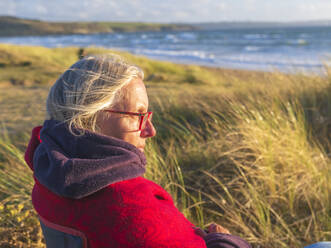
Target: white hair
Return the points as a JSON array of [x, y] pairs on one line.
[[88, 86]]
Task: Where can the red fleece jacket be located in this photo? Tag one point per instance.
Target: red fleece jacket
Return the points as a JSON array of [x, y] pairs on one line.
[[130, 213]]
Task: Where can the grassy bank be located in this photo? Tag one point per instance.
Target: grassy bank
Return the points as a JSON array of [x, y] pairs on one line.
[[12, 26], [249, 150]]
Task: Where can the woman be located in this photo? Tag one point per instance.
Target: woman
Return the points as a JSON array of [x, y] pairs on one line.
[[88, 162]]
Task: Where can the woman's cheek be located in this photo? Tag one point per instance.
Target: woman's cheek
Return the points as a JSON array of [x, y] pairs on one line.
[[132, 124]]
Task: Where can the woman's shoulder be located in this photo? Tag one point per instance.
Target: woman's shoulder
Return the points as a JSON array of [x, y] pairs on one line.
[[136, 184], [141, 189], [136, 191]]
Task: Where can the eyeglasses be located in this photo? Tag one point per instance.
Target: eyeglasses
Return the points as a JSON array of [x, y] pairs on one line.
[[143, 117]]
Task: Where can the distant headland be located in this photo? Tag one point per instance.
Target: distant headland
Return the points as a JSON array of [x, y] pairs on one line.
[[14, 26]]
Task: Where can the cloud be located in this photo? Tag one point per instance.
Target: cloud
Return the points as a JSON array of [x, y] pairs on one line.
[[83, 15], [315, 10], [8, 7], [315, 7], [41, 10], [181, 15], [169, 10], [221, 6]]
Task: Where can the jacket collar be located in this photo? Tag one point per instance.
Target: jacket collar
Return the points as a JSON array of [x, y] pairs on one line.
[[75, 167]]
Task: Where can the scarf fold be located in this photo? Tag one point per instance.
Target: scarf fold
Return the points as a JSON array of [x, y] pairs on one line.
[[76, 167]]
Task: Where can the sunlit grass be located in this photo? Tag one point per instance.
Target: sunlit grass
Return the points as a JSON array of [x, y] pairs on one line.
[[19, 223]]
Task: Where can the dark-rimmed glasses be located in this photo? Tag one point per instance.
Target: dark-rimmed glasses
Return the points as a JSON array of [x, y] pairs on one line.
[[143, 117]]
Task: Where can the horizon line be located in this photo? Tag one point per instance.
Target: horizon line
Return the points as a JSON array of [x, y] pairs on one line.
[[179, 22]]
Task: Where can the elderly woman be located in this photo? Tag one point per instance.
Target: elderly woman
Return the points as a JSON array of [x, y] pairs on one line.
[[88, 162]]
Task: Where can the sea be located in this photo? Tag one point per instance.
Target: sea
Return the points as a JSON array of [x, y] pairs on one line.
[[286, 49]]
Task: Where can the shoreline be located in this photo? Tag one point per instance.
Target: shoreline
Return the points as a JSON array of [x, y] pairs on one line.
[[37, 65], [237, 70]]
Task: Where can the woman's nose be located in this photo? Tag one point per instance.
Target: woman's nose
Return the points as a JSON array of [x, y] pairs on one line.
[[149, 130]]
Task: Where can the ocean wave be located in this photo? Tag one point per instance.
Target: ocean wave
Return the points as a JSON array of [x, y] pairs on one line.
[[143, 41], [119, 36], [275, 60], [252, 48], [195, 54], [255, 36], [276, 36], [304, 35], [300, 42], [171, 37], [187, 36]]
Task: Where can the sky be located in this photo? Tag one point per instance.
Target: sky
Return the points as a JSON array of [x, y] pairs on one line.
[[168, 11]]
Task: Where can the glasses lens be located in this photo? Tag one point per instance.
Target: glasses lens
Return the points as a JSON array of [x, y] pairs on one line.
[[146, 117]]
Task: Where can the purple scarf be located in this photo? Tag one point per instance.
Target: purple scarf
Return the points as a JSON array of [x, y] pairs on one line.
[[76, 167]]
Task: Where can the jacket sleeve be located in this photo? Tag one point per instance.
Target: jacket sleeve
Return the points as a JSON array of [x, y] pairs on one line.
[[222, 240]]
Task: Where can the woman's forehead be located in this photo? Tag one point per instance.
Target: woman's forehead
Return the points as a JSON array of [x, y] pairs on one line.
[[135, 95]]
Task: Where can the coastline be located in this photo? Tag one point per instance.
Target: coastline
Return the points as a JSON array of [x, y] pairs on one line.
[[35, 65], [13, 26], [305, 51]]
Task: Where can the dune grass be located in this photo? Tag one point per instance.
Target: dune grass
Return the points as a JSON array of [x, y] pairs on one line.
[[249, 150]]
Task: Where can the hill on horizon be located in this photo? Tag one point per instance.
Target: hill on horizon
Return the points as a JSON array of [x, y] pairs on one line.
[[15, 26]]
